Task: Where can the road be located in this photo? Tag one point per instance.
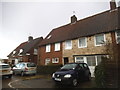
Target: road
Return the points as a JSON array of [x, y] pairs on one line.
[[37, 82]]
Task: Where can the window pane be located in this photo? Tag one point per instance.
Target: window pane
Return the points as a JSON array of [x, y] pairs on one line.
[[35, 51], [57, 46], [98, 59], [99, 39], [68, 44], [79, 59], [47, 61], [91, 61], [82, 42], [55, 60], [47, 48]]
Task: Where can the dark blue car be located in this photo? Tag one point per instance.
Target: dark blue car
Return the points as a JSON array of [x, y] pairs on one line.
[[72, 73]]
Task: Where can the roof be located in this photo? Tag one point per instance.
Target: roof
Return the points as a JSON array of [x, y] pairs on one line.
[[26, 47], [103, 22]]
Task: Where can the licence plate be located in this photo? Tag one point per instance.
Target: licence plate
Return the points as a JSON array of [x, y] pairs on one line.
[[3, 71], [32, 68], [57, 79]]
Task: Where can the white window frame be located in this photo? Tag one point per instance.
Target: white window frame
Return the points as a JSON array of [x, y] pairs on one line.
[[47, 61], [57, 46], [48, 48], [117, 37], [55, 60], [101, 43], [85, 42], [66, 47]]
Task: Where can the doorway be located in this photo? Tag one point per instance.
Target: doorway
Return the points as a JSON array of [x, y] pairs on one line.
[[66, 60]]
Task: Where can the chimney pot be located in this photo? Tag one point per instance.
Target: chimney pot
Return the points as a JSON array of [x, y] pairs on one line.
[[30, 38], [73, 19], [112, 5]]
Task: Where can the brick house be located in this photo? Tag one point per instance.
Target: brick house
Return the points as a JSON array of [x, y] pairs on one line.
[[83, 40], [26, 51], [50, 52]]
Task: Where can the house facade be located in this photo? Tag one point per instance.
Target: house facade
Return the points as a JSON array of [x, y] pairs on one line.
[[83, 40], [26, 51], [50, 54]]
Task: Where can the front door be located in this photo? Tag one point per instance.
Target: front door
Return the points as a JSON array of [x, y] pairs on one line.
[[66, 60]]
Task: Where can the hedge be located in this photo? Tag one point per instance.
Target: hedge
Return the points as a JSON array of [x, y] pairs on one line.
[[49, 69], [106, 74], [100, 75]]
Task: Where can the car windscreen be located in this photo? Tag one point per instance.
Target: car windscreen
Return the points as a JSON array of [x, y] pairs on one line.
[[4, 66], [69, 66], [31, 65]]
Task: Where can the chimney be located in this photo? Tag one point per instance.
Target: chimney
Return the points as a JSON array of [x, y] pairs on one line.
[[73, 19], [30, 38], [112, 5]]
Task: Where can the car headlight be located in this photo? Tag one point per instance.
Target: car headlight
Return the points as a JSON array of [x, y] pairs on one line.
[[53, 75], [67, 76]]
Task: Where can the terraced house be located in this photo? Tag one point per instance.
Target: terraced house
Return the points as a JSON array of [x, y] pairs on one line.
[[82, 40], [26, 51]]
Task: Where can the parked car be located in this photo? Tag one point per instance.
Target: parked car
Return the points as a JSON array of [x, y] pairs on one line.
[[5, 70], [25, 68], [72, 73]]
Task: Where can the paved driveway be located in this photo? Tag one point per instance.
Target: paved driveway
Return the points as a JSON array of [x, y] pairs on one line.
[[46, 82]]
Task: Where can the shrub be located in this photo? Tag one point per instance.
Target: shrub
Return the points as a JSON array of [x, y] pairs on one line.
[[100, 75], [49, 69]]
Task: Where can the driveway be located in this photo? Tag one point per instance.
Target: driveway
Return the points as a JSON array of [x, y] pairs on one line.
[[45, 82]]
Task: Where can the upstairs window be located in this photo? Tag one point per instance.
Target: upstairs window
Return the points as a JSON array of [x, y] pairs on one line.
[[82, 42], [20, 52], [68, 44], [99, 39], [57, 46], [48, 48], [35, 51], [118, 37]]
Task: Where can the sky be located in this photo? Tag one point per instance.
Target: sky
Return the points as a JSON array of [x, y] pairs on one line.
[[20, 19]]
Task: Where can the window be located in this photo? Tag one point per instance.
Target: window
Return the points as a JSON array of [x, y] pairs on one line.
[[99, 39], [82, 42], [55, 60], [13, 52], [49, 36], [68, 44], [47, 61], [20, 52], [99, 59], [118, 36], [91, 61], [48, 48], [57, 46], [35, 51], [79, 59]]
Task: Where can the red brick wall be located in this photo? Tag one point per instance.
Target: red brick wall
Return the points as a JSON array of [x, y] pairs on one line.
[[52, 54]]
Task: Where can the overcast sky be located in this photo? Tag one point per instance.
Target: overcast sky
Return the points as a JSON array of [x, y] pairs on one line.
[[21, 19]]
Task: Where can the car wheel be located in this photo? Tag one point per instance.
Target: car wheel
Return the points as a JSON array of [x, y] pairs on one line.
[[14, 73], [74, 82], [22, 73], [9, 76]]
